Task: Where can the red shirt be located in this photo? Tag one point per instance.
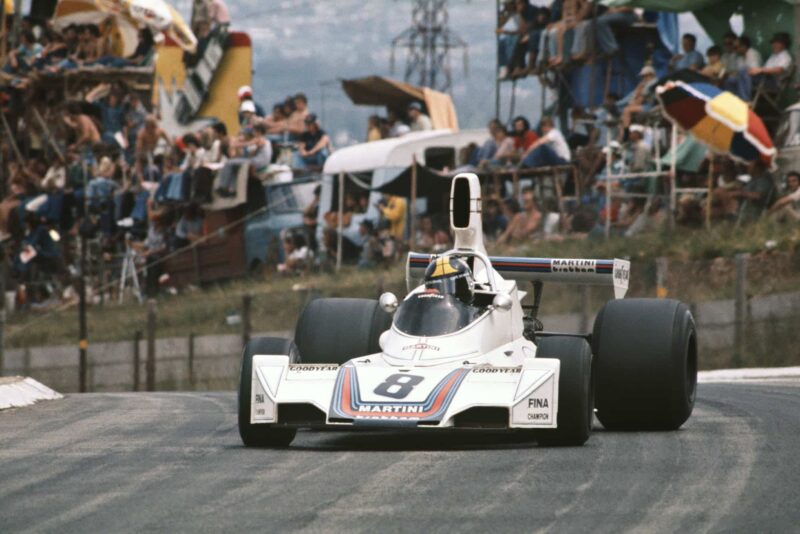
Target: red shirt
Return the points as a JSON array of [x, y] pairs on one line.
[[524, 142]]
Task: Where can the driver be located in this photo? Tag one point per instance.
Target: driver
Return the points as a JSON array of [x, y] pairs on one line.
[[449, 275]]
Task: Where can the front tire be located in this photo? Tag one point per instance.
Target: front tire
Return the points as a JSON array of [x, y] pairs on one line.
[[262, 435], [337, 330], [575, 392], [646, 364]]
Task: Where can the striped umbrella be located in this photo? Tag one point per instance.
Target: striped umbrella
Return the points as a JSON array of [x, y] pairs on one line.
[[718, 119]]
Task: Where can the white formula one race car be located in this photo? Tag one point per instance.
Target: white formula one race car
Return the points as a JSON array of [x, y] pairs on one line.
[[462, 352]]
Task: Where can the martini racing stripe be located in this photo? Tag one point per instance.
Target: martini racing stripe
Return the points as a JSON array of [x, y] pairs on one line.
[[347, 402], [533, 265]]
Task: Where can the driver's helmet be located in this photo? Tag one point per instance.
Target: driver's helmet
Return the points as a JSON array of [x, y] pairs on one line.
[[449, 275]]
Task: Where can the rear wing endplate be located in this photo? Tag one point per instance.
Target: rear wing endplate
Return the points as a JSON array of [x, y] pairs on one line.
[[614, 272]]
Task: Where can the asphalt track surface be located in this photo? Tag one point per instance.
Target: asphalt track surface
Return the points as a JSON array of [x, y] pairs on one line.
[[173, 462]]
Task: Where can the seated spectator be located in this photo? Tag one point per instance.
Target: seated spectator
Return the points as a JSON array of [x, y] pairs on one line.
[[520, 31], [493, 219], [247, 114], [639, 154], [489, 147], [505, 152], [22, 58], [757, 194], [217, 153], [373, 128], [614, 19], [393, 210], [524, 137], [525, 223], [715, 68], [314, 145], [277, 122], [253, 149], [748, 58], [194, 153], [371, 250], [788, 206], [730, 58], [507, 37], [396, 126], [572, 12], [102, 186], [419, 120], [296, 123], [426, 235], [637, 100], [776, 66], [351, 250], [297, 256], [690, 58], [549, 150]]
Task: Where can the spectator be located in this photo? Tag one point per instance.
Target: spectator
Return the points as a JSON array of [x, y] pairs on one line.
[[371, 250], [296, 123], [489, 147], [194, 153], [777, 64], [314, 145], [691, 58], [397, 127], [426, 235], [218, 14], [373, 128], [507, 37], [550, 149], [419, 120], [757, 194], [112, 113], [297, 256], [715, 68], [505, 152], [788, 206], [640, 156], [525, 223], [310, 214], [22, 58], [748, 58], [614, 19], [85, 130], [247, 114], [393, 210], [245, 94], [190, 226], [494, 221], [572, 12], [148, 137], [524, 137], [637, 101], [730, 58], [218, 151]]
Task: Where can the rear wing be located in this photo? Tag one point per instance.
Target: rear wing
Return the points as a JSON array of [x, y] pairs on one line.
[[614, 272]]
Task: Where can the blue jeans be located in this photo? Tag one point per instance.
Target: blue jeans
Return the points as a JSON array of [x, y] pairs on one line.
[[314, 160], [505, 49], [542, 156], [604, 34], [742, 83]]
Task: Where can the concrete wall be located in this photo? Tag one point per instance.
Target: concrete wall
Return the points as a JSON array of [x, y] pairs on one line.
[[216, 358]]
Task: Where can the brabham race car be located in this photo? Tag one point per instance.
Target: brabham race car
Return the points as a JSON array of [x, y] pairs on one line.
[[462, 352]]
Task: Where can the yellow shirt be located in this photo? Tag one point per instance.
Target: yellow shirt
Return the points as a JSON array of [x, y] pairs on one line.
[[395, 213]]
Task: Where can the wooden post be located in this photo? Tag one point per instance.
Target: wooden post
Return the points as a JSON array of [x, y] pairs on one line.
[[191, 359], [339, 223], [247, 302], [662, 273], [609, 161], [150, 365], [137, 339], [412, 229], [740, 309], [673, 175], [515, 185], [710, 190], [83, 335]]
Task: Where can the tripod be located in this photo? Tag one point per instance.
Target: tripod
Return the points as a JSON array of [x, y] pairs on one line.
[[129, 271]]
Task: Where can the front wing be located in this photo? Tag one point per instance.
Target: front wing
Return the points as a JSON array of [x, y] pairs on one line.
[[363, 393]]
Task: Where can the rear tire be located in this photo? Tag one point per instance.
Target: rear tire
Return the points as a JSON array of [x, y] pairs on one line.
[[338, 330], [262, 435], [646, 364], [575, 391]]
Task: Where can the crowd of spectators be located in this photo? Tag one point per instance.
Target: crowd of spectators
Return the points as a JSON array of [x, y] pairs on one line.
[[398, 123]]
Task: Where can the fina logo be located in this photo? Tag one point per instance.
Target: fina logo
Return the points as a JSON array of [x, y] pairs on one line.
[[574, 266]]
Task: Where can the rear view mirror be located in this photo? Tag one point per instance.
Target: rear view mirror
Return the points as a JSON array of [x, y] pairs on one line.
[[388, 303]]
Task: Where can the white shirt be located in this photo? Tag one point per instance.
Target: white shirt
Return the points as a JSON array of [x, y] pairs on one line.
[[782, 59], [750, 60], [422, 123], [559, 145]]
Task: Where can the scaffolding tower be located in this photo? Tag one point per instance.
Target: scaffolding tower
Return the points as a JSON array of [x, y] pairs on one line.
[[428, 42]]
